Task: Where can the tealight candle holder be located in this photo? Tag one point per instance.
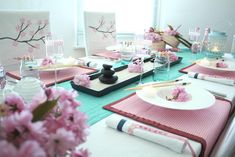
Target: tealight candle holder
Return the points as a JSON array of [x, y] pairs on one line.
[[216, 45]]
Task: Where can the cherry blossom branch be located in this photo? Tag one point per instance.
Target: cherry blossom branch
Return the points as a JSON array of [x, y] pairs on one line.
[[22, 29], [100, 28]]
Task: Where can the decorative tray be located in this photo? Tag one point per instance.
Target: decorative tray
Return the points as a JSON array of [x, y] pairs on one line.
[[125, 78]]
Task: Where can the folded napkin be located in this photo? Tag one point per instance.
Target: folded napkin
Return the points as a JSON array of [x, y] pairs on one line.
[[211, 78], [166, 139]]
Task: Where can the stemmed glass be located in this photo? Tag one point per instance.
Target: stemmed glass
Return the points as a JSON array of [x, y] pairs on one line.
[[55, 50], [58, 55], [194, 35], [142, 70]]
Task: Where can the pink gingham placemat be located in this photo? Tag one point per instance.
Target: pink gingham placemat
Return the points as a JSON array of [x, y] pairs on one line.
[[203, 125], [212, 72], [48, 77], [108, 54]]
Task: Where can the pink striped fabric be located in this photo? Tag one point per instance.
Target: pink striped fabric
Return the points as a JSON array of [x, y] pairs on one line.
[[108, 54], [203, 125], [48, 77], [198, 69]]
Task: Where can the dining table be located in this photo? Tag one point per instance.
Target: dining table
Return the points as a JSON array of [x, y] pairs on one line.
[[104, 141]]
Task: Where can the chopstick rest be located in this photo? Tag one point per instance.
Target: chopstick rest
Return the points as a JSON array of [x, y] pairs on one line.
[[166, 139], [211, 78]]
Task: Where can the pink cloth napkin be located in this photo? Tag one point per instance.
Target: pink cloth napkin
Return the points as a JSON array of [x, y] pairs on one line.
[[216, 73]]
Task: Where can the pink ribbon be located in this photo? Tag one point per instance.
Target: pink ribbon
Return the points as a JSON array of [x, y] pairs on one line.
[[137, 126]]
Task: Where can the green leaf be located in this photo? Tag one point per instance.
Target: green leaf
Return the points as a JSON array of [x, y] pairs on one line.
[[43, 109]]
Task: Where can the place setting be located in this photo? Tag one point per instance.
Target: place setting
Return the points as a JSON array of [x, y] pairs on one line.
[[175, 105]]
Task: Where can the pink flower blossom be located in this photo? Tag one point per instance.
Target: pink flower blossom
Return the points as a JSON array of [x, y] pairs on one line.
[[39, 22], [179, 94], [18, 127], [22, 20], [30, 49], [60, 131], [29, 22], [23, 34], [173, 56], [37, 46], [154, 37], [31, 33], [182, 97], [18, 28], [221, 64], [41, 32], [46, 21], [136, 66], [47, 61], [38, 99], [82, 80], [31, 149], [7, 149], [15, 43], [14, 103], [80, 153], [60, 142], [195, 48], [171, 32]]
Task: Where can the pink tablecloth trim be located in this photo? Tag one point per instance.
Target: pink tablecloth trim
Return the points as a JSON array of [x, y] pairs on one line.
[[181, 122], [212, 72], [48, 77]]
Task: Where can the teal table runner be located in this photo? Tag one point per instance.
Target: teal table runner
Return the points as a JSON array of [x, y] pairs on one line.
[[92, 105]]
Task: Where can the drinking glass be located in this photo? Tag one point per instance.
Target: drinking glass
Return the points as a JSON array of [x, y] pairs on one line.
[[233, 47], [142, 70], [58, 55], [49, 43], [194, 35], [161, 67], [29, 68]]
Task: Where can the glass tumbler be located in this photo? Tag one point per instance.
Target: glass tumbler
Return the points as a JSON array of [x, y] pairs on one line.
[[161, 67]]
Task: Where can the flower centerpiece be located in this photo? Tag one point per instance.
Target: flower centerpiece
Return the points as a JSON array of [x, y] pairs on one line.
[[48, 126], [173, 38], [155, 37], [136, 66]]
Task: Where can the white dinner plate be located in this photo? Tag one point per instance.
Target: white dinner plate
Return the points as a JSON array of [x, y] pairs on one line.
[[199, 98], [211, 64]]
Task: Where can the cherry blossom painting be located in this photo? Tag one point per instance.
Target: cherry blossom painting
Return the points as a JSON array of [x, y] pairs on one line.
[[100, 31], [22, 33]]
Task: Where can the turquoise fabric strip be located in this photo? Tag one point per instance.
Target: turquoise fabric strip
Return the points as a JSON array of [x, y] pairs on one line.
[[92, 105]]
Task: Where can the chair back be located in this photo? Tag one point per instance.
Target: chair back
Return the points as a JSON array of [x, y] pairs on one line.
[[100, 31], [22, 33]]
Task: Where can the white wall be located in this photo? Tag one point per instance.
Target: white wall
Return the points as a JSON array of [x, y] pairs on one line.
[[216, 14], [62, 18]]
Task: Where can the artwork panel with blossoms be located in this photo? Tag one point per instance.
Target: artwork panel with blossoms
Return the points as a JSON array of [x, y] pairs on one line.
[[23, 33], [100, 31]]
